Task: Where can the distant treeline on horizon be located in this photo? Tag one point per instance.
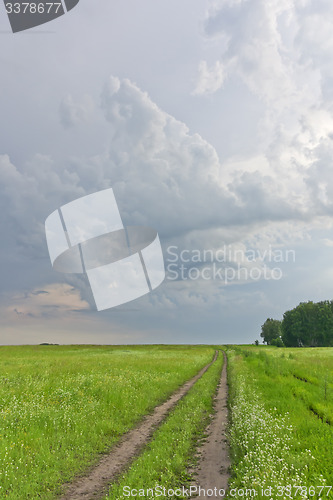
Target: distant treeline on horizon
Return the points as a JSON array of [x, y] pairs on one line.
[[310, 324]]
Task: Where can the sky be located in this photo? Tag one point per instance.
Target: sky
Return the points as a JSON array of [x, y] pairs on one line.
[[212, 121]]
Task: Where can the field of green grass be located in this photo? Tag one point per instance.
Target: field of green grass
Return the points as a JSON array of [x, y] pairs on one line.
[[281, 432], [60, 406]]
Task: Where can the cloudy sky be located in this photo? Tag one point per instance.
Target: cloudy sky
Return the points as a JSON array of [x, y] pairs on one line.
[[212, 120]]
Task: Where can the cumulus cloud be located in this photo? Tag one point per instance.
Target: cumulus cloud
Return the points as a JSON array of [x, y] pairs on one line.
[[263, 88], [175, 180], [210, 79], [165, 177], [259, 49], [281, 51]]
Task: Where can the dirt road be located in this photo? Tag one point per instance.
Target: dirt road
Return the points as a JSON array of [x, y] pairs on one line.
[[213, 468], [95, 483]]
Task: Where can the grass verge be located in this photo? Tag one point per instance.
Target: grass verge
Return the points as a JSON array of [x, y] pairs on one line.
[[279, 450]]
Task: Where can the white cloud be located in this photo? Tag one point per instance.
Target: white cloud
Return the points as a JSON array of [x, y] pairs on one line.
[[265, 68], [282, 52], [210, 79], [165, 177]]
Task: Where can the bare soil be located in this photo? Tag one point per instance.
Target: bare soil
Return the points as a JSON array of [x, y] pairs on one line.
[[96, 482], [214, 463]]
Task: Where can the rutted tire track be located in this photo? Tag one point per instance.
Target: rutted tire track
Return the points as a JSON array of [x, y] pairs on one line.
[[95, 483], [213, 468]]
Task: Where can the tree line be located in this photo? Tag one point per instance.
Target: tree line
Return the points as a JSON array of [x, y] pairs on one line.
[[310, 324]]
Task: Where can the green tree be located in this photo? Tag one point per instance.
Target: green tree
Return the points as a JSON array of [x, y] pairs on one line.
[[309, 324], [290, 329], [270, 330], [277, 342]]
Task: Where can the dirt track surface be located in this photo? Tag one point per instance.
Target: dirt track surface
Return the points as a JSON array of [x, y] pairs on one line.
[[213, 468], [95, 483]]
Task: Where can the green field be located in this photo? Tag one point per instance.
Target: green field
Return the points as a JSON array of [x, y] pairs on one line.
[[281, 404], [62, 406]]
